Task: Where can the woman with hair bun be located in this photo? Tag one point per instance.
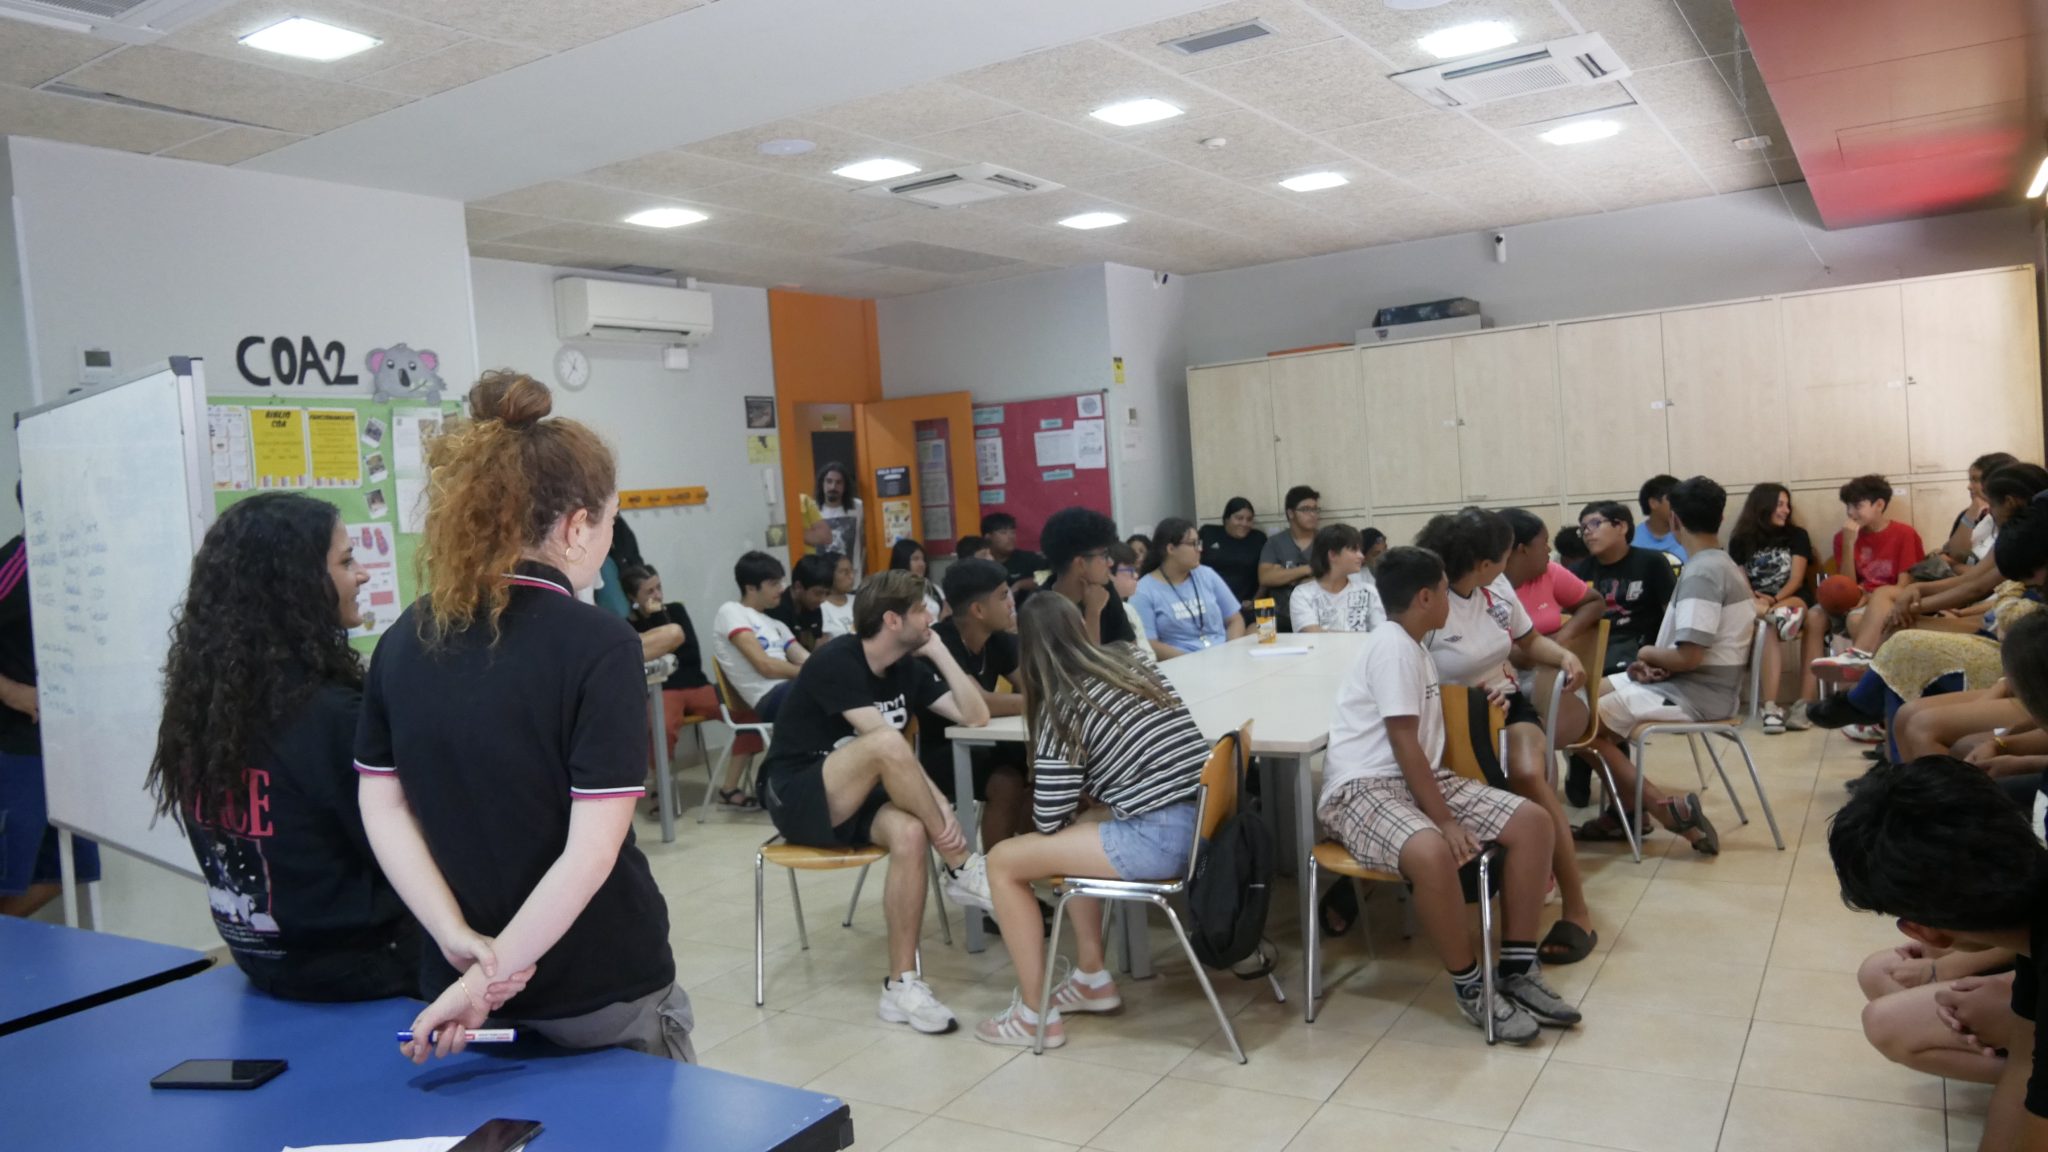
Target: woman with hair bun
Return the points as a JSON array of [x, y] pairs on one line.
[[502, 746]]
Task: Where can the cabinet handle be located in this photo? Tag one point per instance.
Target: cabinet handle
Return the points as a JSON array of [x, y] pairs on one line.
[[1912, 383], [1896, 383], [1475, 496], [1450, 423], [1660, 405]]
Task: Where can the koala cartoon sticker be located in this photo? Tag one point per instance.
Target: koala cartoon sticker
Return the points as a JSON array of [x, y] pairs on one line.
[[399, 373]]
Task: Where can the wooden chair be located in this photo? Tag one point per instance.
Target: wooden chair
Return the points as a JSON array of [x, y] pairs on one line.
[[798, 858], [1215, 802], [1462, 750], [738, 719]]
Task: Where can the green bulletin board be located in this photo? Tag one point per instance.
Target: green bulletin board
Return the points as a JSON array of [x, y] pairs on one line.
[[250, 436]]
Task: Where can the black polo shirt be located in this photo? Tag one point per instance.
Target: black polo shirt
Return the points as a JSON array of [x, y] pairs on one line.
[[19, 735], [689, 671], [493, 743], [997, 658], [834, 681]]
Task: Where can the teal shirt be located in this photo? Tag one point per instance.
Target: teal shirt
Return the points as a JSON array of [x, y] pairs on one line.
[[1645, 539]]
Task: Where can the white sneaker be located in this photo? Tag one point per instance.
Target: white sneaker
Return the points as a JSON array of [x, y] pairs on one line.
[[968, 885], [1069, 995], [1853, 658], [1795, 717], [1011, 1029], [1865, 733], [1787, 621], [908, 1000]]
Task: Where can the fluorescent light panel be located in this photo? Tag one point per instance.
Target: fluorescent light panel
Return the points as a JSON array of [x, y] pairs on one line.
[[309, 40], [666, 217], [1131, 113], [2040, 183], [869, 171], [1088, 220], [1468, 39], [1583, 132], [1314, 182]]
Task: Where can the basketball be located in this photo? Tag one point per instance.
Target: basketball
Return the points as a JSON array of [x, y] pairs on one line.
[[1839, 594]]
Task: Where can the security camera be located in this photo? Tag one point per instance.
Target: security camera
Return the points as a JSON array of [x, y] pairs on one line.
[[1500, 247]]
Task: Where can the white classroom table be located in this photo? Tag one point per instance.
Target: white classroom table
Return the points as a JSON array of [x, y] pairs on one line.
[[1291, 698]]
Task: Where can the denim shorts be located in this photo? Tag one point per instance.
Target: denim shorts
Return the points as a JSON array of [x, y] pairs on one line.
[[1153, 846]]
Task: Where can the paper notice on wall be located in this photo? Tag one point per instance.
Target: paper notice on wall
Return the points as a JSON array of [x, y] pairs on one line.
[[1091, 444], [332, 434], [278, 442], [764, 449], [412, 505], [988, 458], [895, 521], [410, 432], [227, 434], [1054, 448], [938, 525], [1134, 444], [377, 554], [1088, 405]]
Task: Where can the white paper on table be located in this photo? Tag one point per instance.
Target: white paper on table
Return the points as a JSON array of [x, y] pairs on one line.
[[1274, 650], [412, 505], [418, 1144], [1091, 444], [988, 460], [1055, 448]]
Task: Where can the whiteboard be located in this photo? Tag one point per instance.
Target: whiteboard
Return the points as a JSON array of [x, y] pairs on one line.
[[115, 507]]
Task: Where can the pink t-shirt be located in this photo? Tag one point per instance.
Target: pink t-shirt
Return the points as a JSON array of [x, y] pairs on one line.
[[1546, 597]]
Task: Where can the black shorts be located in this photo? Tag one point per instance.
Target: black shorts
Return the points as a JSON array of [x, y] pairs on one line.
[[1522, 711], [984, 763], [793, 792]]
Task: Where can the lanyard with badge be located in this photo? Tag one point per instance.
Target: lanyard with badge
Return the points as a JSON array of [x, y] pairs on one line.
[[1201, 611]]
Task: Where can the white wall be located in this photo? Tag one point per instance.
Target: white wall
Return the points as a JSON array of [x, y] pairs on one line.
[[670, 429], [1689, 252], [1155, 478]]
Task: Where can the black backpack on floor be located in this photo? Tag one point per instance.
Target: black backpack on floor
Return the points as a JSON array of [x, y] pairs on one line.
[[1232, 886]]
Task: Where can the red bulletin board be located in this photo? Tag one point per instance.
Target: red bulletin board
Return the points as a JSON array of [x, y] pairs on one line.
[[1076, 470]]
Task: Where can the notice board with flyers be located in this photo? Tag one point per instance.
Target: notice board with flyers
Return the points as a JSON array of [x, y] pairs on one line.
[[1035, 457]]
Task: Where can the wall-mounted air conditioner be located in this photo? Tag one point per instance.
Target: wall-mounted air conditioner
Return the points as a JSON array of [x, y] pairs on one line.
[[587, 309]]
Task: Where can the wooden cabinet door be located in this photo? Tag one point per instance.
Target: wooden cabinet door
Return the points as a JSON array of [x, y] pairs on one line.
[[1932, 509], [1319, 429], [1411, 423], [1973, 369], [1611, 382], [1507, 414], [1725, 403], [1230, 425], [1845, 383]]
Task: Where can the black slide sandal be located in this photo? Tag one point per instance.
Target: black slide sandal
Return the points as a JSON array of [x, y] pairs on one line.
[[1567, 943], [1341, 903]]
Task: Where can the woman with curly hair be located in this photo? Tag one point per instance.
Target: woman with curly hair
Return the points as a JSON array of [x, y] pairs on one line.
[[503, 746]]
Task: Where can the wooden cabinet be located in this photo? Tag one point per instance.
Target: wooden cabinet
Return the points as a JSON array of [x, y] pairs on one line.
[[1845, 383], [1611, 385], [1411, 423], [1507, 414], [1972, 359], [1230, 424], [1318, 414], [1722, 387], [1931, 509]]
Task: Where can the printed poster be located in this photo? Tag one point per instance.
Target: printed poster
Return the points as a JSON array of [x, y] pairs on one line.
[[760, 411], [227, 434], [332, 434], [1054, 448], [1088, 405], [988, 456], [412, 505], [377, 552], [277, 438], [410, 432], [1091, 444], [938, 525], [895, 521], [764, 449]]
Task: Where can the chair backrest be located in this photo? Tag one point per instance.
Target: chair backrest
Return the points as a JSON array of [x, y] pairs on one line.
[[726, 696], [1216, 799], [1469, 746], [1590, 647]]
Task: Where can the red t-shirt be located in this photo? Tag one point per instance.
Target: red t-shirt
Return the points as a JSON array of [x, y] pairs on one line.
[[1884, 556], [1545, 597]]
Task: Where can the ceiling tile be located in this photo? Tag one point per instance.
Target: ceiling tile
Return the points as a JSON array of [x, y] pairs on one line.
[[1739, 70], [1688, 93], [29, 54], [1714, 23], [1068, 82], [796, 198], [836, 148], [102, 125], [249, 93], [553, 25], [1038, 146], [1422, 143], [997, 237], [1292, 27], [218, 34], [910, 112], [568, 200], [748, 230], [1179, 191], [1394, 33], [465, 63], [1363, 197], [1256, 145], [1418, 217], [1645, 33], [1636, 187], [1148, 232], [930, 257], [1552, 105], [522, 253], [1509, 191], [668, 173], [1752, 174], [232, 145], [1712, 145], [483, 224], [1324, 86], [1041, 210]]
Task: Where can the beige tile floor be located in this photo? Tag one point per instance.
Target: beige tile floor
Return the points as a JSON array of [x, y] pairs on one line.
[[1721, 1013]]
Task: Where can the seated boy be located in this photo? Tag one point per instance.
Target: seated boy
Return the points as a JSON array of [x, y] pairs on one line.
[[801, 608], [1389, 800], [757, 652], [1658, 532], [1693, 672], [1876, 552], [982, 638]]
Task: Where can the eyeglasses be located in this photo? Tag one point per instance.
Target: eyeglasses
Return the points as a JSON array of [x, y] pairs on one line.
[[1191, 542], [1594, 523], [1311, 509], [1126, 570]]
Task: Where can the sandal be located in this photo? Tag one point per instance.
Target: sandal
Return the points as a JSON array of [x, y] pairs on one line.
[[1686, 815], [1567, 943], [1336, 913], [1601, 829], [736, 799]]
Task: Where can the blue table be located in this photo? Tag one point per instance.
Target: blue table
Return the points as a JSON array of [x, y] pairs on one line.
[[48, 970], [83, 1083]]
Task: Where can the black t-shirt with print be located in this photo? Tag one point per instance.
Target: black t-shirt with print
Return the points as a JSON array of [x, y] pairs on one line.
[[1637, 588], [807, 626], [834, 681], [1023, 565], [689, 671], [1235, 559], [997, 659], [19, 735], [1767, 560], [494, 743], [295, 889]]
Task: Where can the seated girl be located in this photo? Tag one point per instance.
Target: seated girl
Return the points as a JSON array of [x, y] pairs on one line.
[[1338, 597]]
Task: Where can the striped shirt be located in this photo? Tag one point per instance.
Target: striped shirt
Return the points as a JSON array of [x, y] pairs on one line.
[[1136, 757]]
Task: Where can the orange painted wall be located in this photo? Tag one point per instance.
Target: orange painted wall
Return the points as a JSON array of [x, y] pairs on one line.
[[825, 352]]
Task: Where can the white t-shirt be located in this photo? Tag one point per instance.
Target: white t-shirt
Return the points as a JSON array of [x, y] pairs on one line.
[[1983, 538], [1356, 609], [1472, 646], [838, 617], [1394, 676], [734, 617], [846, 536]]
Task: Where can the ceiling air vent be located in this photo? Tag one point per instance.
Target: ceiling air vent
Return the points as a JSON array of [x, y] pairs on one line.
[[1220, 38], [956, 186], [1575, 61], [125, 21]]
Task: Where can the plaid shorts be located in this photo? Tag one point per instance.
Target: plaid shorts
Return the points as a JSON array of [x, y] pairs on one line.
[[1374, 817]]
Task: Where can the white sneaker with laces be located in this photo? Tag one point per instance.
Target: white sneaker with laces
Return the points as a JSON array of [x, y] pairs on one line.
[[1070, 995], [1787, 621], [968, 885], [1013, 1030], [909, 1000], [1865, 733], [1795, 717]]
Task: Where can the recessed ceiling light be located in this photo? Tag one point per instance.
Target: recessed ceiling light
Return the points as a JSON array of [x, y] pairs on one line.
[[1314, 181], [1583, 132], [1088, 220], [309, 40], [869, 171], [1467, 39], [1414, 5], [666, 217], [784, 147], [1131, 113]]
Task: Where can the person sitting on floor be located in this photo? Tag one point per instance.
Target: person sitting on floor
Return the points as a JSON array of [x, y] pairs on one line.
[[1106, 726], [841, 774], [665, 629], [1388, 798], [1339, 597]]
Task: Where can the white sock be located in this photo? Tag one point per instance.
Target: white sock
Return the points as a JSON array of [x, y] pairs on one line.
[[908, 976], [1092, 979], [1025, 1013]]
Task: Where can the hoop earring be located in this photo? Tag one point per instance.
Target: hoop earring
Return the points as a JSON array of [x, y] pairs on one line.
[[578, 557]]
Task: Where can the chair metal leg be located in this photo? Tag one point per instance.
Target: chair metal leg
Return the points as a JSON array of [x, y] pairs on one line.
[[1715, 755], [1485, 941], [1279, 993], [703, 756], [1052, 952], [713, 774], [1372, 953], [859, 882], [1642, 774], [797, 902], [1757, 782], [1202, 974], [1692, 744], [760, 865], [1314, 960], [939, 902], [1628, 830]]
